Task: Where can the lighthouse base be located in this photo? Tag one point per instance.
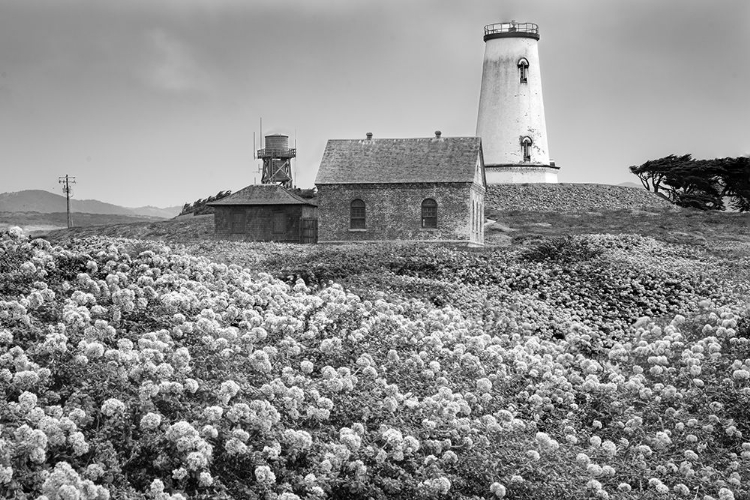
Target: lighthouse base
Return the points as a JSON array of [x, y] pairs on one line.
[[520, 174]]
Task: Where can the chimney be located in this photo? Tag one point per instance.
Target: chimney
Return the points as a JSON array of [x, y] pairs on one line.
[[369, 136]]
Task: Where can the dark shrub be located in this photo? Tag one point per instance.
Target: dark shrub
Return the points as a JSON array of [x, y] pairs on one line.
[[564, 249]]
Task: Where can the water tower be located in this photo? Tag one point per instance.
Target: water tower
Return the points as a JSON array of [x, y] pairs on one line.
[[277, 160], [511, 110]]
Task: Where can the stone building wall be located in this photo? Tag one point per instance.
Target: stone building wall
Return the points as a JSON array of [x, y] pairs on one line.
[[394, 212], [261, 222]]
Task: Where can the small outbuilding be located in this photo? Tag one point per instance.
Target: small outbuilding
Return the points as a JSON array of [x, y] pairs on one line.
[[424, 189], [266, 212]]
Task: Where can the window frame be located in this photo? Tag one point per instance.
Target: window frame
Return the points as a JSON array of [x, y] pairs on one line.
[[526, 143], [357, 215], [429, 212], [523, 67]]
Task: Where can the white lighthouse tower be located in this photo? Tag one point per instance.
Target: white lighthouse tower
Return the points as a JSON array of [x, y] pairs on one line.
[[511, 110]]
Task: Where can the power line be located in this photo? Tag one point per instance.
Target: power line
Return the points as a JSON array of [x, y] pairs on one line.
[[66, 182]]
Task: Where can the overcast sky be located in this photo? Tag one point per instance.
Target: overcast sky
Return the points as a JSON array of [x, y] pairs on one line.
[[153, 102]]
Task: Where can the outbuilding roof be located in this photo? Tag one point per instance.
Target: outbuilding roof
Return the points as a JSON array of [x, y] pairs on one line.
[[384, 161], [262, 194]]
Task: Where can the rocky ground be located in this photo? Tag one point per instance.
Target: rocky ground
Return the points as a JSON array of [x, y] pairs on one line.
[[570, 198]]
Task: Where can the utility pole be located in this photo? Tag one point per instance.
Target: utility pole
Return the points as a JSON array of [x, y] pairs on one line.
[[66, 182]]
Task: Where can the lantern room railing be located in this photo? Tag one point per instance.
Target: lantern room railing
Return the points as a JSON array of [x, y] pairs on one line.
[[511, 27]]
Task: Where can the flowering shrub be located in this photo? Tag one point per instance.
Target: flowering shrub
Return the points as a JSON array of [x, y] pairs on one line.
[[564, 249], [163, 375]]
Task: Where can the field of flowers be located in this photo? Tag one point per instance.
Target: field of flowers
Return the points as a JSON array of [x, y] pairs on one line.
[[586, 367]]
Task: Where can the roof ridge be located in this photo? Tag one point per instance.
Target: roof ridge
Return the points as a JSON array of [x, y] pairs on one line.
[[409, 138], [265, 194], [294, 196]]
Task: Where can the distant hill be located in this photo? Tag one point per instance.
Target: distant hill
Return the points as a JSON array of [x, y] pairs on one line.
[[36, 200], [149, 211], [631, 185]]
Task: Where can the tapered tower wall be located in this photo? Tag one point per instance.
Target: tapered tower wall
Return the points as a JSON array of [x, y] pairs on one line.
[[511, 107]]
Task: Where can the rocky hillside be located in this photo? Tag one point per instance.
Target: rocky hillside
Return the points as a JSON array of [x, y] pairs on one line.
[[570, 198]]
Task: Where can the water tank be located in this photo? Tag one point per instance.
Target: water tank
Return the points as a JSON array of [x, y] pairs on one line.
[[277, 142]]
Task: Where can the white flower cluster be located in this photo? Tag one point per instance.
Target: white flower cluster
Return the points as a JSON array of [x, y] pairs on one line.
[[284, 375], [112, 407], [436, 486], [195, 452], [64, 483]]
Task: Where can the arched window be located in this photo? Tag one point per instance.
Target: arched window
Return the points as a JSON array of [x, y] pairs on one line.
[[523, 69], [357, 215], [526, 148], [429, 213]]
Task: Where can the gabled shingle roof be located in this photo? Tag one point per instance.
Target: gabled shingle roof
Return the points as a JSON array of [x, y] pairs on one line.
[[262, 194], [375, 161]]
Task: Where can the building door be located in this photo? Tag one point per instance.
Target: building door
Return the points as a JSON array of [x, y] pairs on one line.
[[308, 229]]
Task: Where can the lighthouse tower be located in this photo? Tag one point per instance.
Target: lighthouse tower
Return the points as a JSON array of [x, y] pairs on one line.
[[511, 110]]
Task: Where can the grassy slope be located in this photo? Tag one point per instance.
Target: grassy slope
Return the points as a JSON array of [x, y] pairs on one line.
[[717, 231], [720, 234], [726, 233], [468, 281], [38, 224], [723, 235], [171, 230]]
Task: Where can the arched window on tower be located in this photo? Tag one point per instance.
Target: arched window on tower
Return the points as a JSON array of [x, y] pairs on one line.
[[429, 213], [523, 69], [526, 148], [357, 215]]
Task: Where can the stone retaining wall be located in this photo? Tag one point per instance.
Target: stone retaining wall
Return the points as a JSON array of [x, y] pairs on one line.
[[570, 198]]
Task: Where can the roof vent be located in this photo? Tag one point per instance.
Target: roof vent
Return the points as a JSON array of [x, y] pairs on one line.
[[369, 136], [437, 134]]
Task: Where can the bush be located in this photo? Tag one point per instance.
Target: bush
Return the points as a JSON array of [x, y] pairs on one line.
[[164, 375], [564, 249]]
